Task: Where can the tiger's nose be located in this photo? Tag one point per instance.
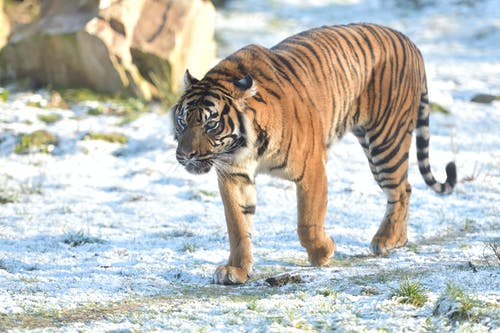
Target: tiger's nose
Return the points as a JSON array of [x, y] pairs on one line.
[[189, 153]]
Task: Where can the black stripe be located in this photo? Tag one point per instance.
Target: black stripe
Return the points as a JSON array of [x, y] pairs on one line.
[[425, 170], [422, 155], [422, 142], [243, 143], [288, 65], [422, 122], [451, 174], [258, 98], [272, 92], [243, 176], [277, 68], [220, 72], [214, 84], [430, 181], [225, 110], [248, 210], [388, 157], [393, 185], [262, 142], [396, 166], [376, 150], [301, 176], [207, 103], [285, 161]]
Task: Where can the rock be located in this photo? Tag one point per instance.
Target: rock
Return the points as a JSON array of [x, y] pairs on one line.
[[4, 26], [283, 279], [219, 3], [484, 98], [57, 101], [191, 46], [139, 48]]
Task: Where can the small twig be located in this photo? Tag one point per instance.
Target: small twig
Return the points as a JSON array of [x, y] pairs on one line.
[[474, 175], [496, 250], [473, 267]]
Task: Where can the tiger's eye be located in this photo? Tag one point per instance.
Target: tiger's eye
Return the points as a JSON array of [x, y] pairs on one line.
[[181, 121], [211, 125]]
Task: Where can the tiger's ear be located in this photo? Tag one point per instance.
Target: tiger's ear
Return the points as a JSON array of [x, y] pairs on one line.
[[189, 80], [245, 87]]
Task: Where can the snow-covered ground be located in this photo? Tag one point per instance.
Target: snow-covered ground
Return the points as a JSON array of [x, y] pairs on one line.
[[100, 236]]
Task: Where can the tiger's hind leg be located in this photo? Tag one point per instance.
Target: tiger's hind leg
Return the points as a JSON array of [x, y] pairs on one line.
[[388, 161]]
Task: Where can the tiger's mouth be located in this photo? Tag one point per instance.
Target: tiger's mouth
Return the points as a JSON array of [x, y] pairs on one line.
[[196, 167]]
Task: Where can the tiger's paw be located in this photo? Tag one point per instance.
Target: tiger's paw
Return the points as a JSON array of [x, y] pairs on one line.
[[229, 275], [381, 245], [320, 256]]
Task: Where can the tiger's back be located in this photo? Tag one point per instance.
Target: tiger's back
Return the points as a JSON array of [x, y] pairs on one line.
[[328, 81], [277, 110], [347, 74]]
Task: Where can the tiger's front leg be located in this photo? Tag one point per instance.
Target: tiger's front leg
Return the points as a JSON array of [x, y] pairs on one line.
[[239, 199], [312, 198]]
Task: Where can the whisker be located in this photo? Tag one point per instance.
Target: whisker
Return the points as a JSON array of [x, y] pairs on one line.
[[172, 169], [222, 169]]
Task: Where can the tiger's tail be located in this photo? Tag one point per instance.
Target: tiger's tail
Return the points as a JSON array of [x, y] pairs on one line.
[[423, 136]]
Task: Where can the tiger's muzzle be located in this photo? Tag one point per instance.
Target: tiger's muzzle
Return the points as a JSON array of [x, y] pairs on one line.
[[193, 163]]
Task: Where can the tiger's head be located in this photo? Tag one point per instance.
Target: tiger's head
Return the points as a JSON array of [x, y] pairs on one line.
[[209, 122]]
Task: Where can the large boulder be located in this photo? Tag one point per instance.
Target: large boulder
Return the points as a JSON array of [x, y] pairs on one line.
[[139, 47], [4, 25]]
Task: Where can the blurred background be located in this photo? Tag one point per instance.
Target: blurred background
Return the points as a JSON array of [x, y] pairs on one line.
[[141, 48]]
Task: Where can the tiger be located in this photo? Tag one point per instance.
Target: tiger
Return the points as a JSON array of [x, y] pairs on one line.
[[277, 111]]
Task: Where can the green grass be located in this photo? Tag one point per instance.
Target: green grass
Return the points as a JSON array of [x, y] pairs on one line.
[[129, 118], [134, 309], [37, 141], [201, 195], [327, 292], [109, 137], [127, 108], [50, 118], [189, 247], [456, 305], [3, 265], [73, 95], [97, 111], [435, 107], [80, 238], [4, 94], [410, 292], [117, 103], [252, 305], [412, 247], [7, 197], [35, 104]]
